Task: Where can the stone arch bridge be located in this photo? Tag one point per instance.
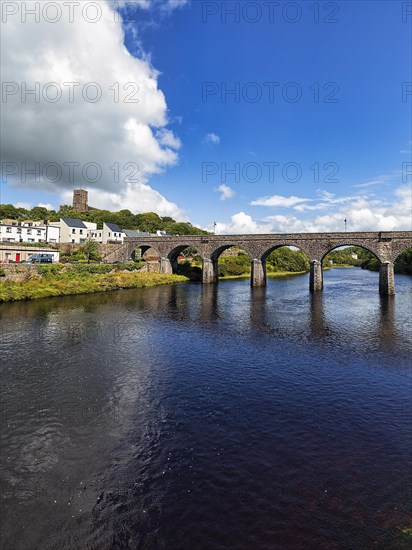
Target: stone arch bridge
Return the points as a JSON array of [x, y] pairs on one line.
[[385, 245]]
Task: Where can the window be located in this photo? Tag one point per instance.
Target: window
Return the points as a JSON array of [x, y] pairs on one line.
[[109, 234], [81, 231], [53, 240], [29, 232], [8, 230], [19, 230], [39, 232], [30, 240], [73, 231]]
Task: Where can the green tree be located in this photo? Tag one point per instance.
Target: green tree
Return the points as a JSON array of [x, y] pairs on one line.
[[39, 213]]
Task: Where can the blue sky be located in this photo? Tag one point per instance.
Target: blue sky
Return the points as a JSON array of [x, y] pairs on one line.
[[317, 131]]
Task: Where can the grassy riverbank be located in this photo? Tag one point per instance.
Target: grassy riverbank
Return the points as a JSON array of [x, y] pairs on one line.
[[65, 281]]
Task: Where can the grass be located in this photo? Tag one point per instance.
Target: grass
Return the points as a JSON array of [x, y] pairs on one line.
[[66, 281], [284, 273], [268, 273], [336, 266]]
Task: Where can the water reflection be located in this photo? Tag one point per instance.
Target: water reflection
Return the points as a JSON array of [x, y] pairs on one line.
[[318, 326], [386, 322], [209, 416], [209, 303]]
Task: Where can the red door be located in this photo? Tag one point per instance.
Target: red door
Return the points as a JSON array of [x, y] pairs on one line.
[[17, 257]]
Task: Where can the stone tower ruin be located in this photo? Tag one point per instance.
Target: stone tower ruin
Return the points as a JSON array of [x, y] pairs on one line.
[[80, 200]]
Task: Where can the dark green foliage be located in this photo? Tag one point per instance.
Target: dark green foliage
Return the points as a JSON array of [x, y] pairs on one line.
[[49, 269], [373, 264], [343, 256], [403, 263], [234, 265], [87, 252], [286, 259], [148, 221], [193, 273]]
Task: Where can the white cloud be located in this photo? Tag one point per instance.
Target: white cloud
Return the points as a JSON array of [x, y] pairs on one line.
[[138, 198], [46, 205], [242, 223], [174, 4], [226, 192], [109, 131], [168, 139], [361, 213], [277, 200], [23, 204], [383, 179], [212, 138]]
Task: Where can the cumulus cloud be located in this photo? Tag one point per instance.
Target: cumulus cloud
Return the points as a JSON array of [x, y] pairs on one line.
[[122, 133], [225, 191], [361, 213], [138, 197], [212, 139], [242, 223]]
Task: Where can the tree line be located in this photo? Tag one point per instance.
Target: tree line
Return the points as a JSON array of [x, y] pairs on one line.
[[148, 221]]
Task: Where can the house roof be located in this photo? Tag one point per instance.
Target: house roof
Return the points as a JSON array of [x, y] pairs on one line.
[[72, 222], [133, 233], [113, 227]]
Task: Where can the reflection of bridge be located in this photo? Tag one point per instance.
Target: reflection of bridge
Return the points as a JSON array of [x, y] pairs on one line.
[[385, 245]]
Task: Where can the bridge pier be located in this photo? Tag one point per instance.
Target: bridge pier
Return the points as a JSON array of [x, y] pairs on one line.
[[166, 266], [258, 277], [316, 276], [386, 279], [210, 273]]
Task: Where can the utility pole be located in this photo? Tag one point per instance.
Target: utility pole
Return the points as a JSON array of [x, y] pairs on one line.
[[214, 227], [345, 220]]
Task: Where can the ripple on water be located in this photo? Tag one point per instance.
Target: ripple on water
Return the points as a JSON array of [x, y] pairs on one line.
[[201, 417]]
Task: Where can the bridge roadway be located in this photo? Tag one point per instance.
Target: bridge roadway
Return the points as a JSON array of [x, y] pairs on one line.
[[386, 245]]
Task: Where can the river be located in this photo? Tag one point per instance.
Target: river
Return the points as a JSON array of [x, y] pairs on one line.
[[202, 417]]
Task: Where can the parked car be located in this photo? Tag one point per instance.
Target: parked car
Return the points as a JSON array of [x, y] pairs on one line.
[[39, 259]]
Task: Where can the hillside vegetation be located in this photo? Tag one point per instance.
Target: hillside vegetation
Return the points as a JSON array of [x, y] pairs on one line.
[[367, 260], [148, 221]]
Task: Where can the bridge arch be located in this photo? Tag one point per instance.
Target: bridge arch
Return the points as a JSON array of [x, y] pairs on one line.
[[193, 272], [219, 250], [400, 250], [144, 247], [340, 244], [211, 257], [289, 245]]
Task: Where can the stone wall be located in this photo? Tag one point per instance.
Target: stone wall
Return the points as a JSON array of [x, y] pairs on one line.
[[105, 250], [151, 267], [18, 272]]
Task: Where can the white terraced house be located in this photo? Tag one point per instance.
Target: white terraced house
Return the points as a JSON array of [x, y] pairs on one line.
[[74, 231], [111, 233], [13, 231]]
